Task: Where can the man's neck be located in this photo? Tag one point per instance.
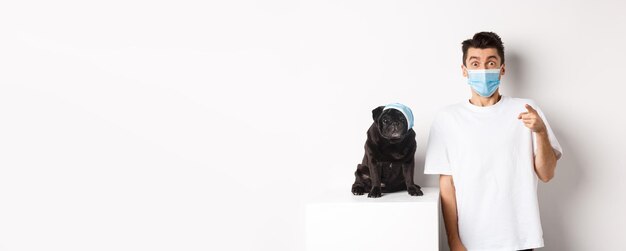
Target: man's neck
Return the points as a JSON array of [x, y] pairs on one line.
[[477, 100]]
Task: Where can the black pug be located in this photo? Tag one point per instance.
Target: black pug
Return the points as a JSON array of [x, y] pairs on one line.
[[388, 164]]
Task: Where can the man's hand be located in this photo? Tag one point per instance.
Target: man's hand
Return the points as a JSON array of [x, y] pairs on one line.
[[532, 120], [545, 158]]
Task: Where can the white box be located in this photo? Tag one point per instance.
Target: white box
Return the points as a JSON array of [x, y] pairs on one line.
[[339, 220]]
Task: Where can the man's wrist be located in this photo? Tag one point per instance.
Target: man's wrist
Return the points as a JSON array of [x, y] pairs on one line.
[[542, 133]]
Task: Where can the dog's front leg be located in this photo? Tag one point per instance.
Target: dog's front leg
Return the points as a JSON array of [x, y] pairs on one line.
[[375, 172], [408, 169]]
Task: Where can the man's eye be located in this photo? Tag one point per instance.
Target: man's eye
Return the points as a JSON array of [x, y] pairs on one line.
[[492, 63], [475, 64]]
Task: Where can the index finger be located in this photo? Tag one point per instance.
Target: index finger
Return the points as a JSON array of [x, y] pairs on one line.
[[530, 108]]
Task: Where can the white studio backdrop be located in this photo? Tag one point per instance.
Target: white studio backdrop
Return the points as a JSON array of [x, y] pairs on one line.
[[180, 125]]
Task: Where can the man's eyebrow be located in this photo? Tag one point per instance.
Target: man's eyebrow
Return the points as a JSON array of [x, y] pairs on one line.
[[477, 58]]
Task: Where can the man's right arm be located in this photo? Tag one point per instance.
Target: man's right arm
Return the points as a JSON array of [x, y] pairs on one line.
[[450, 217]]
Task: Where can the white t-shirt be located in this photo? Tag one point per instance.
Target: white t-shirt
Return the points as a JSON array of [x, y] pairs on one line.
[[489, 153]]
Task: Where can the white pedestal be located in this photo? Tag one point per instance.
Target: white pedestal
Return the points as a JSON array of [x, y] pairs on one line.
[[338, 220]]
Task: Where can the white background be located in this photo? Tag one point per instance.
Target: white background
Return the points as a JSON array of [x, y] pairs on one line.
[[155, 125]]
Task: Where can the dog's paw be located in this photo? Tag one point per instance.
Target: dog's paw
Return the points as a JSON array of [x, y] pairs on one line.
[[358, 190], [415, 190], [375, 192]]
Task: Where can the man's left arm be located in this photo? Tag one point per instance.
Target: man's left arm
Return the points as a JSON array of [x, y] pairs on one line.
[[545, 157]]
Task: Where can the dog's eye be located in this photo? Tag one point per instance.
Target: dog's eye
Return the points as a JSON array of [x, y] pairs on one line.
[[385, 121]]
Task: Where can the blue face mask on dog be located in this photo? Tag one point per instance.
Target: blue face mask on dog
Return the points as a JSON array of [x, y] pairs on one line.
[[484, 82]]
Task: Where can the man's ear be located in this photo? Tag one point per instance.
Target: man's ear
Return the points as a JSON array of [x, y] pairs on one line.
[[464, 70], [377, 112], [503, 70]]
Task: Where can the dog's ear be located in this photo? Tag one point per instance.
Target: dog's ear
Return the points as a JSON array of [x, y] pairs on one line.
[[377, 112]]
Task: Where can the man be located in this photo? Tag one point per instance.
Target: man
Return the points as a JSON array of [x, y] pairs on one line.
[[490, 151]]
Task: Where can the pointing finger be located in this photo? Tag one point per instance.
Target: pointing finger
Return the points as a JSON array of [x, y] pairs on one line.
[[530, 108]]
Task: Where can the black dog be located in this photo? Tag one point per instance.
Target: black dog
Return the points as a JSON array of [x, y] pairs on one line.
[[388, 164]]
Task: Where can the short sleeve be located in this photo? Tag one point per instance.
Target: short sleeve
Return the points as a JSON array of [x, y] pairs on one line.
[[437, 159], [551, 137]]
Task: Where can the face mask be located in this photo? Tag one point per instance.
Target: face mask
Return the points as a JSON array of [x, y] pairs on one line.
[[484, 82], [405, 110]]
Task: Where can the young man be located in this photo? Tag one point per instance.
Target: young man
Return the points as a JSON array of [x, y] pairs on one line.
[[490, 151]]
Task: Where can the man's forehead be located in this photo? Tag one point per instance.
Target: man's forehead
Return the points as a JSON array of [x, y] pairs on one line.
[[482, 53]]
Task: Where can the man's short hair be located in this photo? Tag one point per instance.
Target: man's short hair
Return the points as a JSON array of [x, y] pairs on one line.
[[484, 40]]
